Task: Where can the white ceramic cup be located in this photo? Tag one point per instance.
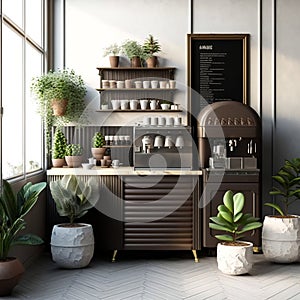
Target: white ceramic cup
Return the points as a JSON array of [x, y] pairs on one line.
[[172, 84], [153, 104], [179, 142], [177, 121], [144, 104], [163, 84], [124, 104], [116, 163], [161, 121], [154, 121], [128, 84], [154, 84], [165, 106], [120, 84], [133, 104], [138, 84], [146, 84], [169, 121], [115, 104]]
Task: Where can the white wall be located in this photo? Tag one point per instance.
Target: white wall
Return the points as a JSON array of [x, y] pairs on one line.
[[274, 54]]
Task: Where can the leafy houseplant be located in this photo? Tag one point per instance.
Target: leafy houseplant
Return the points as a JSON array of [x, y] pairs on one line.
[[74, 155], [134, 51], [13, 209], [280, 234], [72, 244], [151, 46], [61, 86], [59, 148], [112, 51], [234, 257], [98, 142]]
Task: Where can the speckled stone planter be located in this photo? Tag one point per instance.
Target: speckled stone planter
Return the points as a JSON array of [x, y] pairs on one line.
[[281, 239], [235, 260], [72, 247]]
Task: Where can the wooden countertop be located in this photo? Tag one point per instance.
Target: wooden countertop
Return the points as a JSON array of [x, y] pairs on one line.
[[121, 171]]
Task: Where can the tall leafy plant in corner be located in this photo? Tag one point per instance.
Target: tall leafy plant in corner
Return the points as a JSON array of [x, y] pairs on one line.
[[13, 209], [287, 186]]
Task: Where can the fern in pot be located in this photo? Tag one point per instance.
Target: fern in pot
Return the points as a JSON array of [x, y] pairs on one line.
[[151, 46], [72, 244], [234, 257]]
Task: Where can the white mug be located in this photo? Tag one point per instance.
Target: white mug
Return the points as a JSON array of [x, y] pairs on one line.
[[154, 84], [116, 163], [144, 104], [146, 84], [153, 104]]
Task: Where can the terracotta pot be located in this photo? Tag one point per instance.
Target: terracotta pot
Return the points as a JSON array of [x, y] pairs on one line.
[[114, 61], [58, 162], [10, 274], [72, 247], [59, 107], [152, 62], [73, 161], [98, 153], [136, 62]]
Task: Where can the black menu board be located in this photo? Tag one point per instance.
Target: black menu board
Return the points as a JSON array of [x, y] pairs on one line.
[[217, 68]]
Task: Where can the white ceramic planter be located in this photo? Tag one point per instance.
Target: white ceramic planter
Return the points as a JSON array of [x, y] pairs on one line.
[[281, 239], [72, 247], [235, 260]]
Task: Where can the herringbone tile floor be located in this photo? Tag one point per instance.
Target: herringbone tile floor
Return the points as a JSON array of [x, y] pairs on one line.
[[157, 277]]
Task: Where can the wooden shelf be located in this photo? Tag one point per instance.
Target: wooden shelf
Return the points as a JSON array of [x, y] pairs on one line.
[[140, 110], [136, 90]]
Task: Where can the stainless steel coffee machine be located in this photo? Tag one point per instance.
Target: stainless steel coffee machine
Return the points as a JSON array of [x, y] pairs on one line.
[[229, 146], [162, 147]]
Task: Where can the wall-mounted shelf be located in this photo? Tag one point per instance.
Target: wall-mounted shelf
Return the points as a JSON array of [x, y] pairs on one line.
[[137, 90], [140, 110]]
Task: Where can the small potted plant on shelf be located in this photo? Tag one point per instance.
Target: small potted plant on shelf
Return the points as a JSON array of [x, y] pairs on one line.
[[74, 155], [97, 149], [59, 149], [13, 209], [60, 95], [112, 51], [151, 46], [72, 244], [281, 233], [134, 51], [234, 257]]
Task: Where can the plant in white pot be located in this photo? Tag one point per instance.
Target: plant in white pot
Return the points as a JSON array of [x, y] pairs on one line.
[[112, 52], [72, 244], [281, 233], [13, 209], [234, 257]]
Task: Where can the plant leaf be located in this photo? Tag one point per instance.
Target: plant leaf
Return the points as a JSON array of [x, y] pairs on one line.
[[28, 239], [228, 201], [238, 203], [219, 227], [224, 237], [227, 216], [250, 226], [276, 207]]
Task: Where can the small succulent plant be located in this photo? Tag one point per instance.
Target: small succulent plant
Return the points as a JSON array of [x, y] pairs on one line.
[[59, 144], [74, 150], [98, 140]]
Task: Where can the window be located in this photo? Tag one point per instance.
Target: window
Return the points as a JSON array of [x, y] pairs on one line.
[[23, 57]]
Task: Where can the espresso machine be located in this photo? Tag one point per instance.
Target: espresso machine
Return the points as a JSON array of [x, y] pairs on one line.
[[229, 147]]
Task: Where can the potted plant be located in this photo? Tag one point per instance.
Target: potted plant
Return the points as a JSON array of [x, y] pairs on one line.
[[112, 51], [74, 155], [72, 244], [98, 142], [281, 233], [151, 46], [134, 51], [59, 149], [13, 209], [60, 95], [234, 257]]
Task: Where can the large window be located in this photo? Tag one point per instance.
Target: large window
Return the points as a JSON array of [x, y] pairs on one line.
[[23, 57]]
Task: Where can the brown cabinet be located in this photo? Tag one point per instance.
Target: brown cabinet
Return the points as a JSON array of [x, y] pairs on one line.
[[213, 191]]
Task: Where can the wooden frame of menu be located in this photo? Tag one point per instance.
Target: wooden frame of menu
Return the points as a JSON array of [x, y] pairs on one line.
[[217, 68]]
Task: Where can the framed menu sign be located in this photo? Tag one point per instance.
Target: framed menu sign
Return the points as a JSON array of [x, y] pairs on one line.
[[217, 68]]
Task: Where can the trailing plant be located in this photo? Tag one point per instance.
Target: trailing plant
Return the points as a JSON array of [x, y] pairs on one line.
[[151, 46], [73, 197], [13, 208], [59, 144], [98, 140], [60, 84], [113, 49], [74, 150], [288, 186], [231, 219], [131, 48]]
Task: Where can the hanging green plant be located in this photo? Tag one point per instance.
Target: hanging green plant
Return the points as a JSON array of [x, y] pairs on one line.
[[62, 87]]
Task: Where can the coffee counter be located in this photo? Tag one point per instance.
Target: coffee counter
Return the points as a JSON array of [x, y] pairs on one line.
[[121, 171]]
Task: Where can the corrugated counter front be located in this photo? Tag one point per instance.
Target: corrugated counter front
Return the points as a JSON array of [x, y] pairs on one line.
[[140, 209]]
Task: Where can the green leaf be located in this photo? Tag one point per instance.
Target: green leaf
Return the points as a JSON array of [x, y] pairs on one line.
[[237, 217], [28, 239], [279, 179], [250, 226], [276, 207], [227, 216], [238, 203], [224, 237], [219, 227], [228, 200]]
